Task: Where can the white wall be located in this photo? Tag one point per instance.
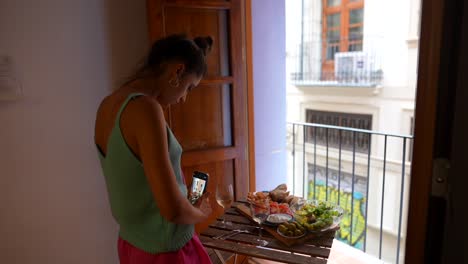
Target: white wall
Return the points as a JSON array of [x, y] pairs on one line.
[[393, 34], [68, 55], [269, 69]]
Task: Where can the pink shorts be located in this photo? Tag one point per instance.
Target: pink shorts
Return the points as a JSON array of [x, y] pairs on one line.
[[192, 252]]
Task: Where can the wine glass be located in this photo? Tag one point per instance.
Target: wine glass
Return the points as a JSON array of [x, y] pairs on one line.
[[260, 210], [224, 197]]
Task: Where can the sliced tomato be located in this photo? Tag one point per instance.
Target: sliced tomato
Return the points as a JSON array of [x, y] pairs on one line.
[[274, 208], [284, 209]]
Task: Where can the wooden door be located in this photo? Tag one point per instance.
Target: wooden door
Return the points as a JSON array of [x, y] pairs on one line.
[[211, 125], [435, 97]]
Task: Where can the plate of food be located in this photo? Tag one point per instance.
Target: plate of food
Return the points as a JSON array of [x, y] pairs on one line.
[[291, 230], [276, 219], [280, 200], [318, 216]]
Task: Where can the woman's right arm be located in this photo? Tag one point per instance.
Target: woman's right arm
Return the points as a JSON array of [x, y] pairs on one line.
[[144, 121]]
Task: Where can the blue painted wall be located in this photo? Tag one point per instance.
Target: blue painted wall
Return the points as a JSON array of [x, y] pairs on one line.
[[269, 71]]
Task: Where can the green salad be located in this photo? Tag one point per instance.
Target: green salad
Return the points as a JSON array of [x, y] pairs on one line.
[[316, 216]]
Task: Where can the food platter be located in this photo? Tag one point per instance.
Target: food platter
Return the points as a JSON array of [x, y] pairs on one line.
[[273, 230], [298, 220]]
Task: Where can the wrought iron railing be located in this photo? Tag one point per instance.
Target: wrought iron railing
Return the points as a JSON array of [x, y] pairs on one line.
[[342, 62], [370, 186]]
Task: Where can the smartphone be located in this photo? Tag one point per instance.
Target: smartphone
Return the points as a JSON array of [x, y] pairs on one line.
[[199, 184]]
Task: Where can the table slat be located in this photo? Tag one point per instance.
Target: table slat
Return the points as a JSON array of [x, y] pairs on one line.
[[236, 219], [324, 241], [214, 258], [253, 251], [272, 243]]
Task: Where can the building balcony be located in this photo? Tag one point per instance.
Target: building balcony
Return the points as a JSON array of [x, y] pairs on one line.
[[366, 172], [338, 63]]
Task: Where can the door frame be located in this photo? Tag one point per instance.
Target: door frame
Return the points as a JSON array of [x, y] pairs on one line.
[[432, 16], [250, 94], [424, 127]]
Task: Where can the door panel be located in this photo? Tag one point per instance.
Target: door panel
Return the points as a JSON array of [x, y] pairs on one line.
[[205, 22], [212, 124], [209, 123]]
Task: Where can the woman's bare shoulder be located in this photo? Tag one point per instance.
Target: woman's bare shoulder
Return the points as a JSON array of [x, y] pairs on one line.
[[142, 115], [144, 127], [144, 109], [142, 118]]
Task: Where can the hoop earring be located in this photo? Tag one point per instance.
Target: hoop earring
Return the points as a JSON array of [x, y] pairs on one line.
[[174, 83]]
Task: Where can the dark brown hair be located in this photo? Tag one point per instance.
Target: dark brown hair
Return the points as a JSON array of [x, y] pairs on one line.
[[176, 48]]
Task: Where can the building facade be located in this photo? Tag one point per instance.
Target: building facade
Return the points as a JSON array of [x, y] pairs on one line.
[[353, 63]]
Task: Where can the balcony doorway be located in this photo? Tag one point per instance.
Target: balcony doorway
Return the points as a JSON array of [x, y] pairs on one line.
[[351, 72]]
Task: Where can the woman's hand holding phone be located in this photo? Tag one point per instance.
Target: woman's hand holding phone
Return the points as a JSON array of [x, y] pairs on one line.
[[199, 186], [203, 203]]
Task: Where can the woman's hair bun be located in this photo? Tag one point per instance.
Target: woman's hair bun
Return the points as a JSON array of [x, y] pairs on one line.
[[204, 43]]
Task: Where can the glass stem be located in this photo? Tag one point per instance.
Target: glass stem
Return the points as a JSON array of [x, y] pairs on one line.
[[260, 231], [224, 216]]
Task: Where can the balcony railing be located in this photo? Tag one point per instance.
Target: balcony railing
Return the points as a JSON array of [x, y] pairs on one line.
[[372, 187], [336, 63]]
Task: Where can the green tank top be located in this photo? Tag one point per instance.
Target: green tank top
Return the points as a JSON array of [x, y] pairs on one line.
[[131, 199]]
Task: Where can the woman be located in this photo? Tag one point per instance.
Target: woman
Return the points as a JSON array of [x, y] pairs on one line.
[[140, 157]]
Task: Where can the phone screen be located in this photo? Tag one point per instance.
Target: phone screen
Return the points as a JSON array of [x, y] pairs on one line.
[[199, 182], [198, 185]]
